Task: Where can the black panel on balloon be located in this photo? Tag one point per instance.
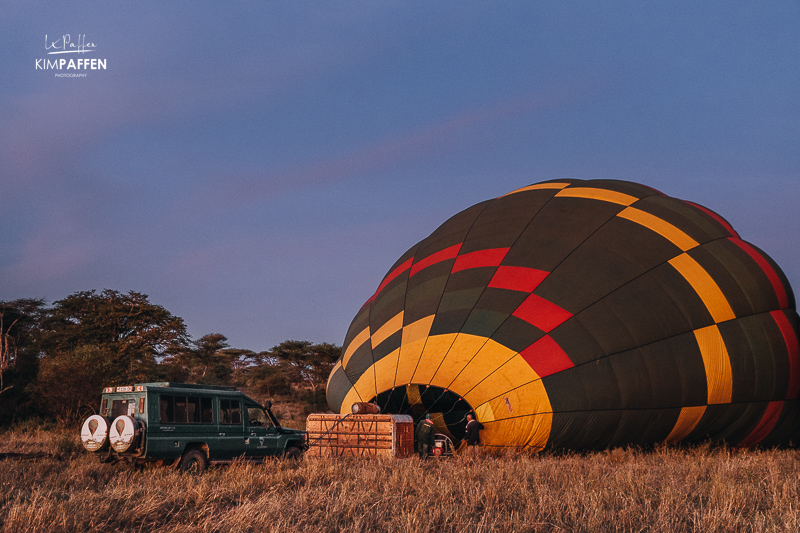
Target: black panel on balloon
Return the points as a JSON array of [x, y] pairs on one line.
[[557, 230]]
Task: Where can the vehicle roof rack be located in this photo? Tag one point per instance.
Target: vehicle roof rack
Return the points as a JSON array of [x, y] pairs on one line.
[[175, 385]]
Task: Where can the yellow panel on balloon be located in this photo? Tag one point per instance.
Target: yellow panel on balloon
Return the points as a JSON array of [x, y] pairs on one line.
[[484, 413], [391, 327], [461, 352], [365, 386], [385, 370], [705, 287], [435, 350], [687, 421], [407, 362], [527, 431], [441, 425], [513, 374], [414, 395], [413, 341], [717, 362], [354, 345], [539, 186], [350, 398], [660, 226], [490, 357], [336, 367], [597, 194], [530, 399]]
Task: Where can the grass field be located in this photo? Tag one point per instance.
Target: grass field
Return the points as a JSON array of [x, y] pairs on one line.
[[664, 490]]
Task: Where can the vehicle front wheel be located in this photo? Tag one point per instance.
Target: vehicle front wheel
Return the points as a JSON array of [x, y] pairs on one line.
[[293, 452], [194, 462]]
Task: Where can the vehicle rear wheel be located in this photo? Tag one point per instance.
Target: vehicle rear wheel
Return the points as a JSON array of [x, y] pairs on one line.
[[94, 433], [293, 453], [194, 462], [123, 434]]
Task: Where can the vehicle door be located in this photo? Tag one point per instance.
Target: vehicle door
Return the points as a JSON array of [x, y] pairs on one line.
[[178, 419], [263, 438], [232, 435]]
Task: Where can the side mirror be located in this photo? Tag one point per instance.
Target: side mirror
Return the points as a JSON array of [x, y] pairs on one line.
[[268, 404]]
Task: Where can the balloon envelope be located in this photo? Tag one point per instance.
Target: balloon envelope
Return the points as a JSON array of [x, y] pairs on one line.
[[581, 314]]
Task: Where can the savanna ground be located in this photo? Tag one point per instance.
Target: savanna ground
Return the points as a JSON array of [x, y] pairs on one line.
[[664, 490]]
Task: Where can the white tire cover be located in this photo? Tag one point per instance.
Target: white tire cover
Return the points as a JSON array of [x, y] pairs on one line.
[[94, 433], [122, 433]]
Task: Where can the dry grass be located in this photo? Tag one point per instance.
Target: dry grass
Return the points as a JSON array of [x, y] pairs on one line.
[[40, 437], [620, 490], [290, 415]]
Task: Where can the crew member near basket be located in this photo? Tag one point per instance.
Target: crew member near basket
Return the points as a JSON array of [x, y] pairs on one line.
[[473, 430], [425, 436]]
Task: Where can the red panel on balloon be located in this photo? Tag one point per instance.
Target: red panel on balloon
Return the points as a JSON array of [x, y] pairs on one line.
[[546, 357], [765, 425], [481, 258], [542, 313], [517, 278], [438, 257], [793, 347], [783, 300]]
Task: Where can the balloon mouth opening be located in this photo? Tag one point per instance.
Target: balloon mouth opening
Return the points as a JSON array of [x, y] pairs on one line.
[[447, 409]]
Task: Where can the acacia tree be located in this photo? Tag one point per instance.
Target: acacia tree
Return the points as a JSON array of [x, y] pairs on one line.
[[18, 325], [210, 360], [113, 338], [131, 330], [267, 378], [307, 367], [241, 363]]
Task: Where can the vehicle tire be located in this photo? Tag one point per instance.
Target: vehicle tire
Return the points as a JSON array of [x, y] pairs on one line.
[[194, 462], [123, 433], [293, 452], [94, 433]]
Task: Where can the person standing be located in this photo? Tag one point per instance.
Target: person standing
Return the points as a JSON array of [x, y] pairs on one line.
[[473, 431], [425, 436]]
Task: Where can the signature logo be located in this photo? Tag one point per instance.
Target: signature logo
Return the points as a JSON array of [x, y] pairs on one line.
[[65, 45]]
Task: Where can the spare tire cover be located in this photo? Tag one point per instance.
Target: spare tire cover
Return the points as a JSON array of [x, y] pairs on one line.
[[123, 433], [94, 433]]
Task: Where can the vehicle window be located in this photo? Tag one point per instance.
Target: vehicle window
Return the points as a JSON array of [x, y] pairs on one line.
[[180, 410], [193, 409], [206, 411], [167, 409], [119, 407], [176, 409], [230, 412], [258, 417]]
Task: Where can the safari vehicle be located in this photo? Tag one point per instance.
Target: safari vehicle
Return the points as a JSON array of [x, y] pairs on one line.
[[186, 425]]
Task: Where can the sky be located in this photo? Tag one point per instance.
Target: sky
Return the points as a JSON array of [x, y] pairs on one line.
[[256, 167]]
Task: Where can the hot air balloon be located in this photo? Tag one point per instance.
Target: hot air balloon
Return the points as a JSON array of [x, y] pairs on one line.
[[581, 315]]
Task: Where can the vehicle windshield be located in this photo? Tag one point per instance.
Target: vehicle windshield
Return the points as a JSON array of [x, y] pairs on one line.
[[258, 417]]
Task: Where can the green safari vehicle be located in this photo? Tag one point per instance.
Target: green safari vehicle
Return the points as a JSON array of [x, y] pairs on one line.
[[187, 425]]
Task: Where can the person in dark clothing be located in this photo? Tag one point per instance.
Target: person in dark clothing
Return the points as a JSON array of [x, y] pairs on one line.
[[424, 436], [473, 431]]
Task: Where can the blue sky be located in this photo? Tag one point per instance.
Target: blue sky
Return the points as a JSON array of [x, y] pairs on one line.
[[257, 167]]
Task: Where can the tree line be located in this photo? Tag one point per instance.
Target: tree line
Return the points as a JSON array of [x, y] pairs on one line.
[[55, 359]]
